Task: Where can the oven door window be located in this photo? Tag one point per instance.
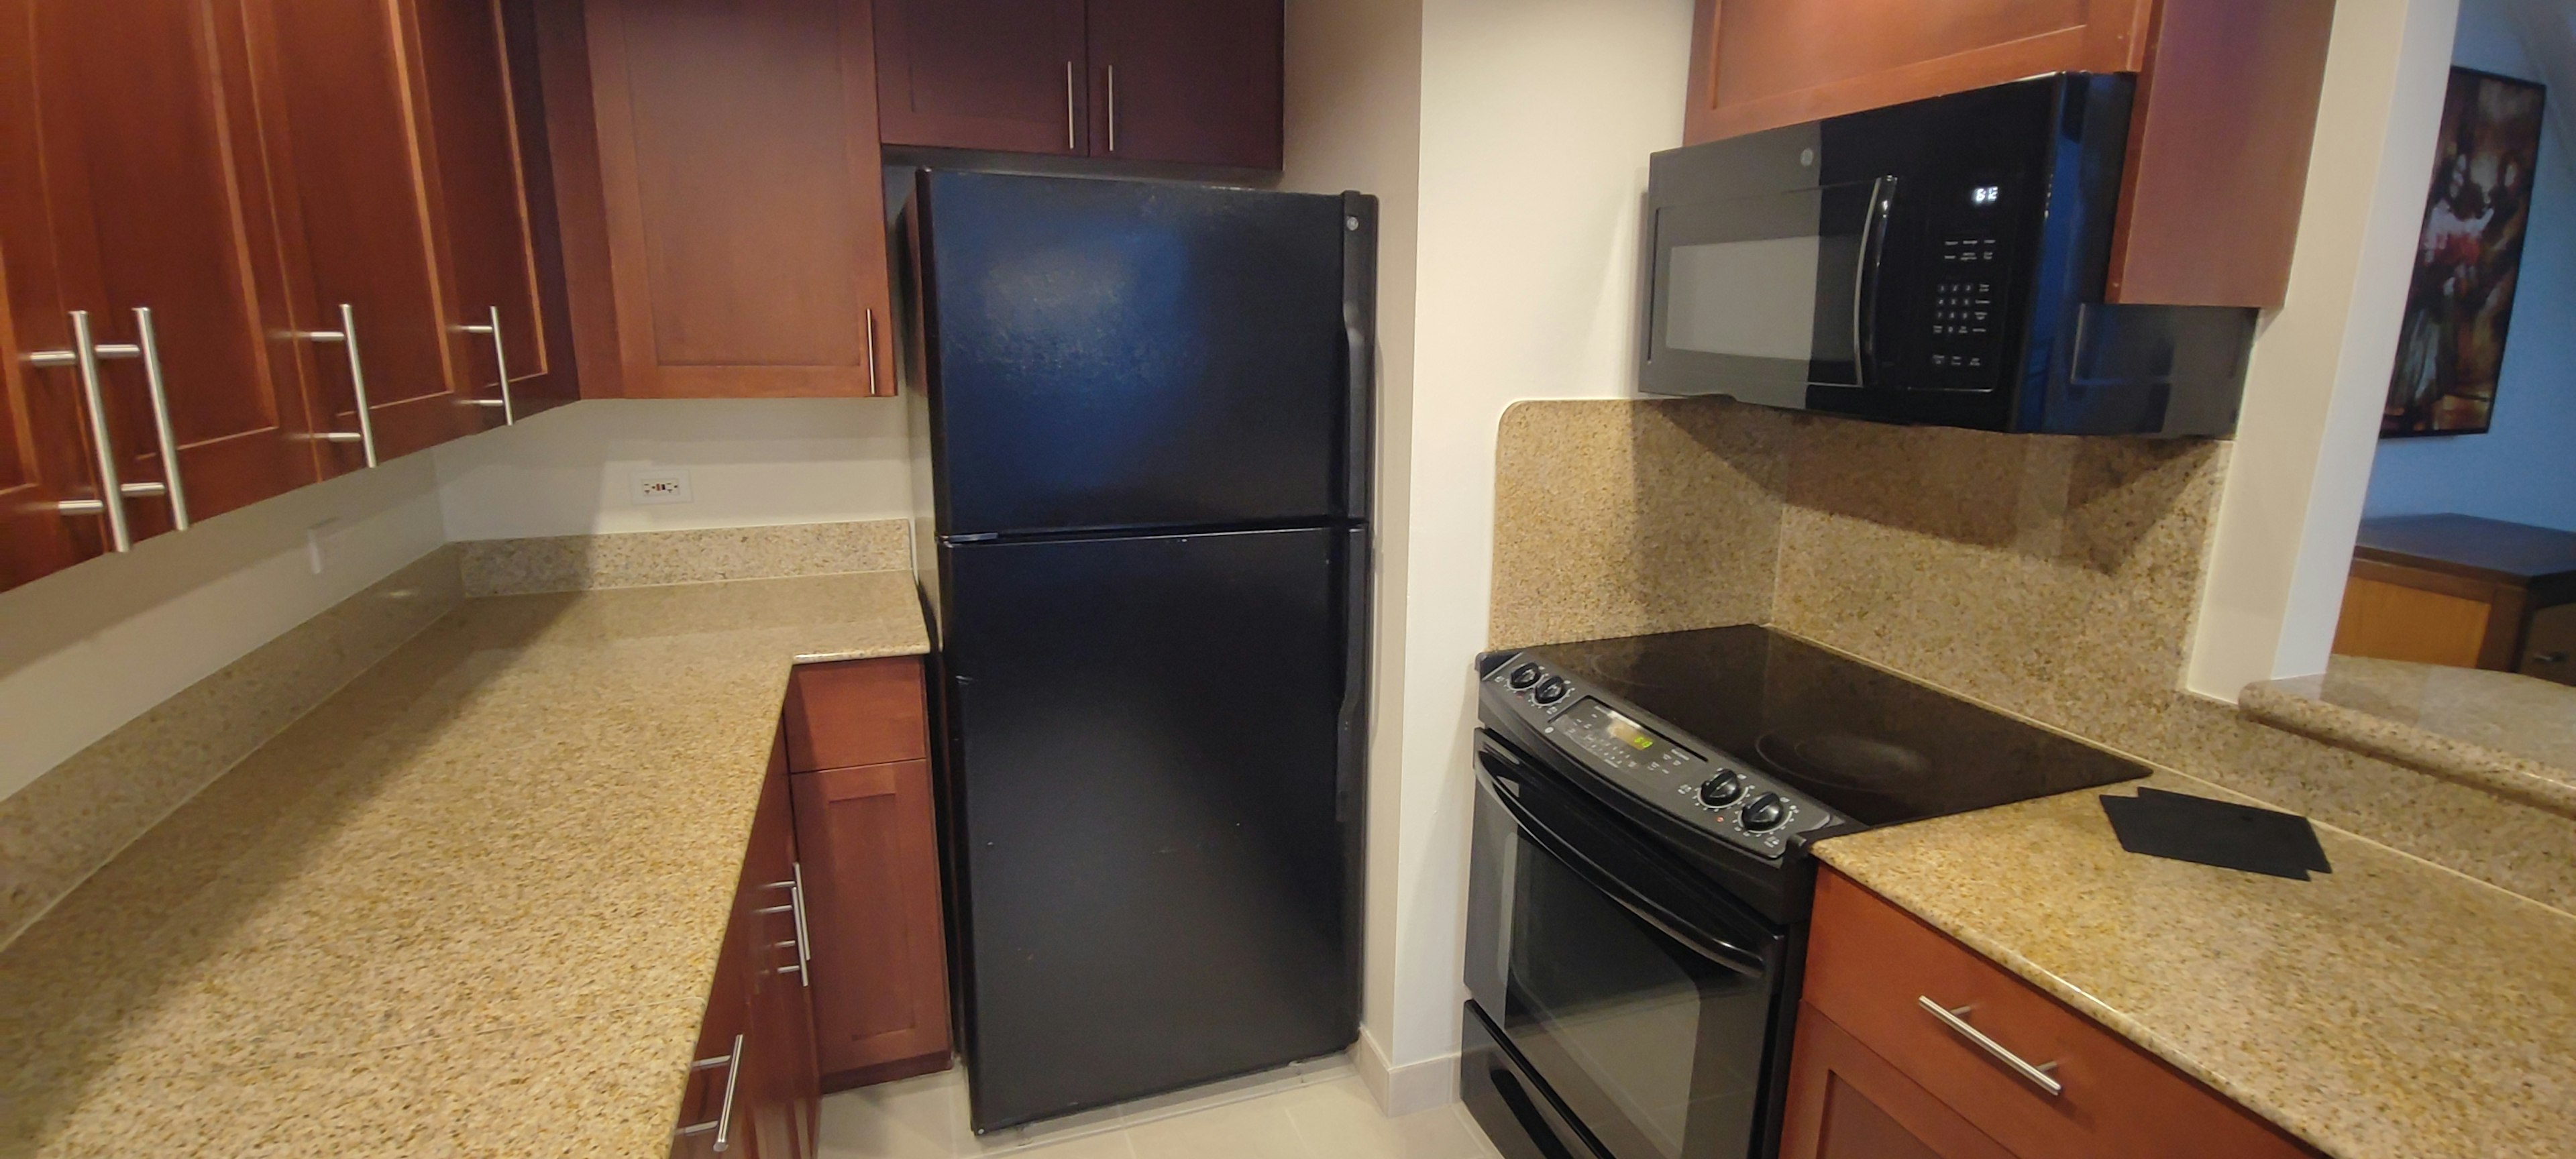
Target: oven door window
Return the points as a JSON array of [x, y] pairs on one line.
[[1756, 297], [1656, 1047]]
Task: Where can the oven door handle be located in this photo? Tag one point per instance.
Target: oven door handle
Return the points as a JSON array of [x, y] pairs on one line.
[[1717, 950]]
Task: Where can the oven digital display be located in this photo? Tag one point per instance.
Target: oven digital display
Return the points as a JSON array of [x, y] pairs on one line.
[[1627, 732]]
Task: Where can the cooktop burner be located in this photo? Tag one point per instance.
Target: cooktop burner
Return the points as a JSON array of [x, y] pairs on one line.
[[1786, 717]]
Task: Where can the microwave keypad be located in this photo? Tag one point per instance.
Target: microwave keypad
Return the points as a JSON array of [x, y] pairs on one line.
[[1966, 305]]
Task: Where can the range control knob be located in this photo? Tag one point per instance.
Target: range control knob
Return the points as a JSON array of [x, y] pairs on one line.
[[1765, 812], [1524, 676], [1721, 789], [1550, 692]]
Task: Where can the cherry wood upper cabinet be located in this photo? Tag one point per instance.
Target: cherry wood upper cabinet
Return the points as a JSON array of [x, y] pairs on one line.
[[984, 74], [43, 444], [156, 204], [356, 228], [2218, 142], [1187, 81], [1758, 64], [744, 196], [479, 190]]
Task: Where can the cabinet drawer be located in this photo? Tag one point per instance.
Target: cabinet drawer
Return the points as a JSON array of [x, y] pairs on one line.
[[856, 712], [1868, 965], [2549, 651]]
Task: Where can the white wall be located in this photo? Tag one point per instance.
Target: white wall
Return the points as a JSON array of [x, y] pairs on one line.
[[84, 650], [751, 462], [1354, 104], [2301, 464], [1537, 119], [2519, 470]]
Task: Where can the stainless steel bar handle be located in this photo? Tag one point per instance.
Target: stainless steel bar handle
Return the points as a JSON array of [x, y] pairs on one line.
[[347, 336], [149, 349], [111, 492], [804, 942], [1113, 107], [1956, 1019], [500, 362], [1070, 144], [723, 1124], [871, 313]]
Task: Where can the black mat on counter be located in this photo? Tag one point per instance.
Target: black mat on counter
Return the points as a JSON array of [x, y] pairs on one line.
[[2197, 829]]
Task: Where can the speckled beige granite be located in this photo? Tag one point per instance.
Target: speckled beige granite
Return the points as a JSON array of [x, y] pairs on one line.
[[2388, 1010], [571, 563], [2508, 733], [1621, 519], [469, 905], [58, 830]]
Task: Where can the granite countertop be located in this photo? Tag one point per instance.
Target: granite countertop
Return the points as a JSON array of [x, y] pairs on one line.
[[470, 905], [2389, 1009], [2510, 734]]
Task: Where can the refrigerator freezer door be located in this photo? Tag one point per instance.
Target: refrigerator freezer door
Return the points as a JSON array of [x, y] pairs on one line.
[[1119, 354], [1155, 819]]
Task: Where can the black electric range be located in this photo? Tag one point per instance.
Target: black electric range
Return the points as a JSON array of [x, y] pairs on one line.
[[1640, 878]]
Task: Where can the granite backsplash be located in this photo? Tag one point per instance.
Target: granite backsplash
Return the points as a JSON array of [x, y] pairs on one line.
[[2052, 578]]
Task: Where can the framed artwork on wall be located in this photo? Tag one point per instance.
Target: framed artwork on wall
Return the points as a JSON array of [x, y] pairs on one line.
[[2450, 348]]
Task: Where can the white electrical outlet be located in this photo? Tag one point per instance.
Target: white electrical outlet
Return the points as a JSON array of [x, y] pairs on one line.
[[661, 485]]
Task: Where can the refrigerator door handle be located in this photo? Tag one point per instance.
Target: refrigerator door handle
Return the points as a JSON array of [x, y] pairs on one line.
[[1359, 333]]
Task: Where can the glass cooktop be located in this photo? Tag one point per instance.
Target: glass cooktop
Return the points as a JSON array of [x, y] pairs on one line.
[[1872, 746]]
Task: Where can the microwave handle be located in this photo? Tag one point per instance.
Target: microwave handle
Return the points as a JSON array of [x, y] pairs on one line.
[[1872, 254], [1718, 951]]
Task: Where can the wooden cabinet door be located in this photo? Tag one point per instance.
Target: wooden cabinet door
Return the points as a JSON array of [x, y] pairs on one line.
[[44, 444], [1757, 64], [746, 207], [984, 74], [1848, 1103], [157, 200], [880, 972], [479, 192], [354, 214], [1188, 81]]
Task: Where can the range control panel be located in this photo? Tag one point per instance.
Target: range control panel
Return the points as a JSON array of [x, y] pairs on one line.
[[1637, 752]]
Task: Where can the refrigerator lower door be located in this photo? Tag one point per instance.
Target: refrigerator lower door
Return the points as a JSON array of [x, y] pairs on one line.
[[1155, 813]]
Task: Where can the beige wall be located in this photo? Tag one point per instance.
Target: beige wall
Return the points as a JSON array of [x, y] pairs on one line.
[[1508, 140], [85, 650], [1354, 119], [751, 462], [2320, 366]]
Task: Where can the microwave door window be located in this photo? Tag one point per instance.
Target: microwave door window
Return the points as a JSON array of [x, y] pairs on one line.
[[1754, 296]]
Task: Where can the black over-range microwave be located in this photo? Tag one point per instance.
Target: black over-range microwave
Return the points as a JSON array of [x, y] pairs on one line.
[[1940, 261]]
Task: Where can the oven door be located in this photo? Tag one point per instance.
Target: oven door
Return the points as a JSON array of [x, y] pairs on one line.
[[1645, 1002], [1762, 296]]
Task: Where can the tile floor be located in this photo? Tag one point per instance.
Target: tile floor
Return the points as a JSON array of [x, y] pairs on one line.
[[1314, 1110]]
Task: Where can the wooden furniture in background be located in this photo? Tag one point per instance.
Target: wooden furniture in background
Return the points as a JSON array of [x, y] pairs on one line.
[[744, 197], [1183, 82], [2218, 143], [866, 820], [1876, 1073], [2463, 591], [759, 1000]]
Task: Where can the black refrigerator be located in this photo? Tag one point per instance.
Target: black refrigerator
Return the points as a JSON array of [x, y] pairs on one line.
[[1148, 409]]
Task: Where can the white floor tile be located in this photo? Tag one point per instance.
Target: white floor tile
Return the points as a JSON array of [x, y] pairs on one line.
[[1339, 1119], [1302, 1112], [1258, 1129]]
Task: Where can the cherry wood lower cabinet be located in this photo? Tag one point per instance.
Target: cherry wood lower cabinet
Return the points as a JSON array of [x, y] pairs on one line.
[[754, 1090], [1878, 1072], [858, 740]]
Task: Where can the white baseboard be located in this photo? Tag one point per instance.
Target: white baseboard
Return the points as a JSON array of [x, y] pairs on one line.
[[1402, 1090]]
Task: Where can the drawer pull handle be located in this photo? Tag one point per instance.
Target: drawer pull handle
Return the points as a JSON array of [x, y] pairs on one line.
[[1954, 1017], [722, 1126]]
